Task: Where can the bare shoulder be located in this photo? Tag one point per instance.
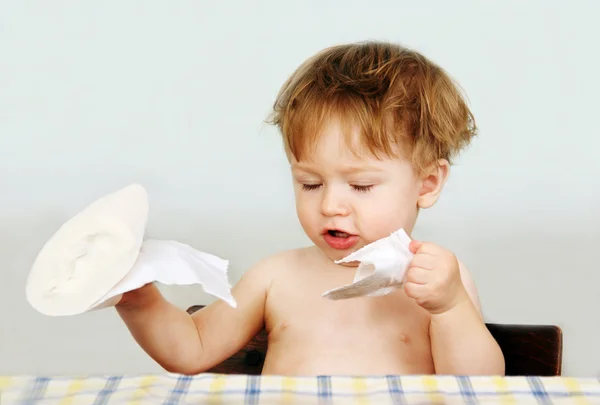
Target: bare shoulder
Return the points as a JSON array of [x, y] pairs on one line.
[[275, 262], [285, 260], [469, 284], [273, 266]]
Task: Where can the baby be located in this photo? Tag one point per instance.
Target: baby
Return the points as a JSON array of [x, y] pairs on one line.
[[370, 130]]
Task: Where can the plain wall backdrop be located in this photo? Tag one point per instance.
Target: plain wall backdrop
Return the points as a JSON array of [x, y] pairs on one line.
[[96, 95]]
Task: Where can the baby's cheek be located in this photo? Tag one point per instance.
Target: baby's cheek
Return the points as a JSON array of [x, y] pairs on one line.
[[380, 225], [306, 218], [383, 222]]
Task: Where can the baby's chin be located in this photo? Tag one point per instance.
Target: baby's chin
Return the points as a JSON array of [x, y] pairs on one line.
[[334, 255]]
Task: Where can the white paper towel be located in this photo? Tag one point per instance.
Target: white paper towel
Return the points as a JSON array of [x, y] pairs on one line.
[[381, 269], [100, 254], [172, 262]]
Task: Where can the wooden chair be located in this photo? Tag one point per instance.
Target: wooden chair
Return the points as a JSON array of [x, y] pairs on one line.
[[529, 350]]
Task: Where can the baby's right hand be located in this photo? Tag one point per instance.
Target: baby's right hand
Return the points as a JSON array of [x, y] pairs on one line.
[[138, 297]]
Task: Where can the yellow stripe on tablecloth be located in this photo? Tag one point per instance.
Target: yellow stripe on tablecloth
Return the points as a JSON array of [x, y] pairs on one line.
[[141, 392], [359, 386], [573, 387], [216, 389], [73, 388], [288, 386], [430, 385], [503, 390], [5, 382]]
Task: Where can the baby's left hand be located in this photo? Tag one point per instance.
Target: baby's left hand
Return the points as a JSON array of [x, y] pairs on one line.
[[433, 278]]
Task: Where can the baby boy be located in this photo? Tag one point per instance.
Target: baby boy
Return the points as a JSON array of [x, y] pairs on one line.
[[370, 130]]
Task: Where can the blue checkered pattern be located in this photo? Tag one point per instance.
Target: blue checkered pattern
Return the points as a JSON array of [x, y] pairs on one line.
[[176, 389]]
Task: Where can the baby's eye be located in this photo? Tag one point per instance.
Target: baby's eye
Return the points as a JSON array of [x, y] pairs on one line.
[[362, 189], [309, 187]]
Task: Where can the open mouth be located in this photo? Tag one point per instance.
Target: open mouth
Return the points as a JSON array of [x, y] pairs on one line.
[[340, 240], [338, 234]]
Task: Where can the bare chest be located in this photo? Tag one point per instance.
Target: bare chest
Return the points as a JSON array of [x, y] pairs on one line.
[[309, 334], [298, 310]]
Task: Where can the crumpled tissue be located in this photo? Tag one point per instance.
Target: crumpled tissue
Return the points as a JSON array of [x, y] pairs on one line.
[[381, 268]]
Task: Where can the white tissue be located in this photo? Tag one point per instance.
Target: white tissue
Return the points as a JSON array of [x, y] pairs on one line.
[[175, 263], [100, 253], [381, 268]]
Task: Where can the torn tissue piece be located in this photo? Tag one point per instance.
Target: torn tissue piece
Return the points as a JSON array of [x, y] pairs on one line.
[[100, 253], [381, 268], [175, 263]]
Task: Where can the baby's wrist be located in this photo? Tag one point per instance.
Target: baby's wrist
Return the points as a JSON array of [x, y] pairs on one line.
[[454, 305]]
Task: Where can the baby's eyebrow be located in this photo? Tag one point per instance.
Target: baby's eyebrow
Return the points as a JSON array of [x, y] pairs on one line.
[[300, 166], [345, 169], [349, 169]]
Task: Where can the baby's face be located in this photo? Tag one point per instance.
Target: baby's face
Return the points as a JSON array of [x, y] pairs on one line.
[[345, 202]]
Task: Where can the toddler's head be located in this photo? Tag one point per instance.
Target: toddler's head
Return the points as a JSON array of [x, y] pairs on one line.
[[370, 130]]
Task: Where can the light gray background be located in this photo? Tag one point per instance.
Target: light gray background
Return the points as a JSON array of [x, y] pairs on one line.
[[95, 95]]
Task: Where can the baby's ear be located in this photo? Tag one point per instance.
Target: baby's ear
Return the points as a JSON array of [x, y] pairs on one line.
[[432, 183]]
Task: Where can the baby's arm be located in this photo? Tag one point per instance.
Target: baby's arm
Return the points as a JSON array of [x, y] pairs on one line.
[[461, 343], [186, 344]]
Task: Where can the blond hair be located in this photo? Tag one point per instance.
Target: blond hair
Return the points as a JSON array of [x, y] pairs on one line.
[[395, 96]]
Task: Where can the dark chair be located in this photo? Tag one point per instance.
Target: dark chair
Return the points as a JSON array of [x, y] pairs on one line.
[[529, 350]]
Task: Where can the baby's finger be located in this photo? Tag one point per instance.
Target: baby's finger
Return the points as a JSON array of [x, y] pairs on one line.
[[414, 246], [417, 275], [426, 248], [423, 260], [415, 291]]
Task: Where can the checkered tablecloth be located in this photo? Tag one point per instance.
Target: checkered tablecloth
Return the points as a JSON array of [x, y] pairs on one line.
[[240, 389]]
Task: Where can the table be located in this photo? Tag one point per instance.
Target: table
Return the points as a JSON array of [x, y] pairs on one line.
[[178, 389]]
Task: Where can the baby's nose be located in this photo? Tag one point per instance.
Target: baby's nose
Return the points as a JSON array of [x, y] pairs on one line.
[[333, 204]]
